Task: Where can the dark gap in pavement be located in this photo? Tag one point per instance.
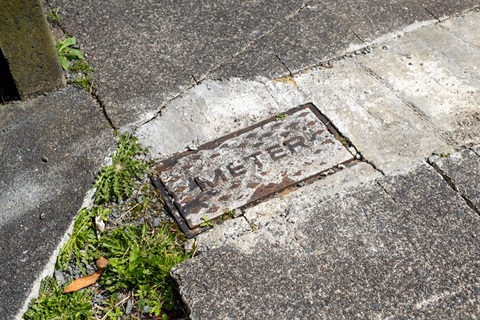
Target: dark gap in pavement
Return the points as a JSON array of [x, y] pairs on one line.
[[8, 89], [452, 185]]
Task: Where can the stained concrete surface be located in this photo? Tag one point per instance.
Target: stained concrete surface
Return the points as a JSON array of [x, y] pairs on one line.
[[51, 148], [403, 246], [145, 54], [148, 52]]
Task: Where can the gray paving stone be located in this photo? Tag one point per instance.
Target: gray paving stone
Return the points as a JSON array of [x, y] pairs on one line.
[[462, 27], [51, 148], [146, 52], [463, 169], [364, 253], [445, 94], [458, 52], [383, 128]]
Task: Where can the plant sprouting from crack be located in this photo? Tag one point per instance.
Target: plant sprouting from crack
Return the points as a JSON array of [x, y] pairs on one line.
[[116, 181], [281, 116], [53, 16], [206, 222], [67, 51], [83, 75]]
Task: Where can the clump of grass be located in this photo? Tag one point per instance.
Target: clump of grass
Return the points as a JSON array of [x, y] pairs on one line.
[[116, 181], [83, 241], [53, 16], [83, 75], [140, 260], [52, 304], [140, 256]]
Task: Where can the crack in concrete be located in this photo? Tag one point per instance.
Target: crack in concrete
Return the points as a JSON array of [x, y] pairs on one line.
[[254, 42], [431, 13], [93, 93], [283, 64], [454, 187]]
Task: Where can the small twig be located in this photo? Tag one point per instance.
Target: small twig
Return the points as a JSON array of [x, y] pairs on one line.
[[119, 303], [129, 210]]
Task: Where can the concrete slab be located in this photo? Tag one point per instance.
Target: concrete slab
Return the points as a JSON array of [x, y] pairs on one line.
[[445, 94], [363, 253], [146, 53], [51, 148], [461, 27], [462, 170], [213, 109], [382, 127], [457, 51]]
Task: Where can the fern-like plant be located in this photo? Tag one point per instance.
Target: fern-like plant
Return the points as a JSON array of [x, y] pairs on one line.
[[116, 181]]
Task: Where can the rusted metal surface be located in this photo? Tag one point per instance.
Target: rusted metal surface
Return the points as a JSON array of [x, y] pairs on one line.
[[248, 165]]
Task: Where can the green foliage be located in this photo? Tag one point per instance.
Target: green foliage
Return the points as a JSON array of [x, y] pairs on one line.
[[83, 241], [84, 76], [141, 260], [206, 222], [116, 181], [281, 116], [52, 304], [67, 53], [53, 16]]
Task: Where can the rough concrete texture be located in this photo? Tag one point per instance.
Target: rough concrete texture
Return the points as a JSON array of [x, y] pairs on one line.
[[27, 45], [466, 180], [51, 148], [382, 127], [261, 215], [213, 109], [149, 52], [403, 246], [444, 93], [367, 96]]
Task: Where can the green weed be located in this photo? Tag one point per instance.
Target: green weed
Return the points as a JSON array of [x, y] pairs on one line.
[[140, 256], [52, 304], [83, 77], [206, 222], [83, 241], [53, 16], [66, 52], [281, 116], [116, 181], [141, 260]]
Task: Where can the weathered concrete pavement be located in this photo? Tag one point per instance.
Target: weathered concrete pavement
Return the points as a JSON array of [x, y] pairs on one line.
[[403, 246], [391, 236]]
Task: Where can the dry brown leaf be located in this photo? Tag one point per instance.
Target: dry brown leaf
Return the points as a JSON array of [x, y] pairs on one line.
[[102, 263], [83, 282], [86, 281]]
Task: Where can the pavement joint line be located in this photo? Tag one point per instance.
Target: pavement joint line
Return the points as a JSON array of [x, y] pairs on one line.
[[431, 13], [387, 86], [453, 186], [454, 63]]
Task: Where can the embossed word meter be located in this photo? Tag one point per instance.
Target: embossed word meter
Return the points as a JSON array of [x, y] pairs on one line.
[[248, 165]]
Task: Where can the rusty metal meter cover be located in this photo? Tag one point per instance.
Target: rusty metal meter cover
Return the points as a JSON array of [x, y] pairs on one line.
[[248, 165]]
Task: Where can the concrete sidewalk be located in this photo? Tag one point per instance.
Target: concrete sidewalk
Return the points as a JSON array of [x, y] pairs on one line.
[[390, 236]]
